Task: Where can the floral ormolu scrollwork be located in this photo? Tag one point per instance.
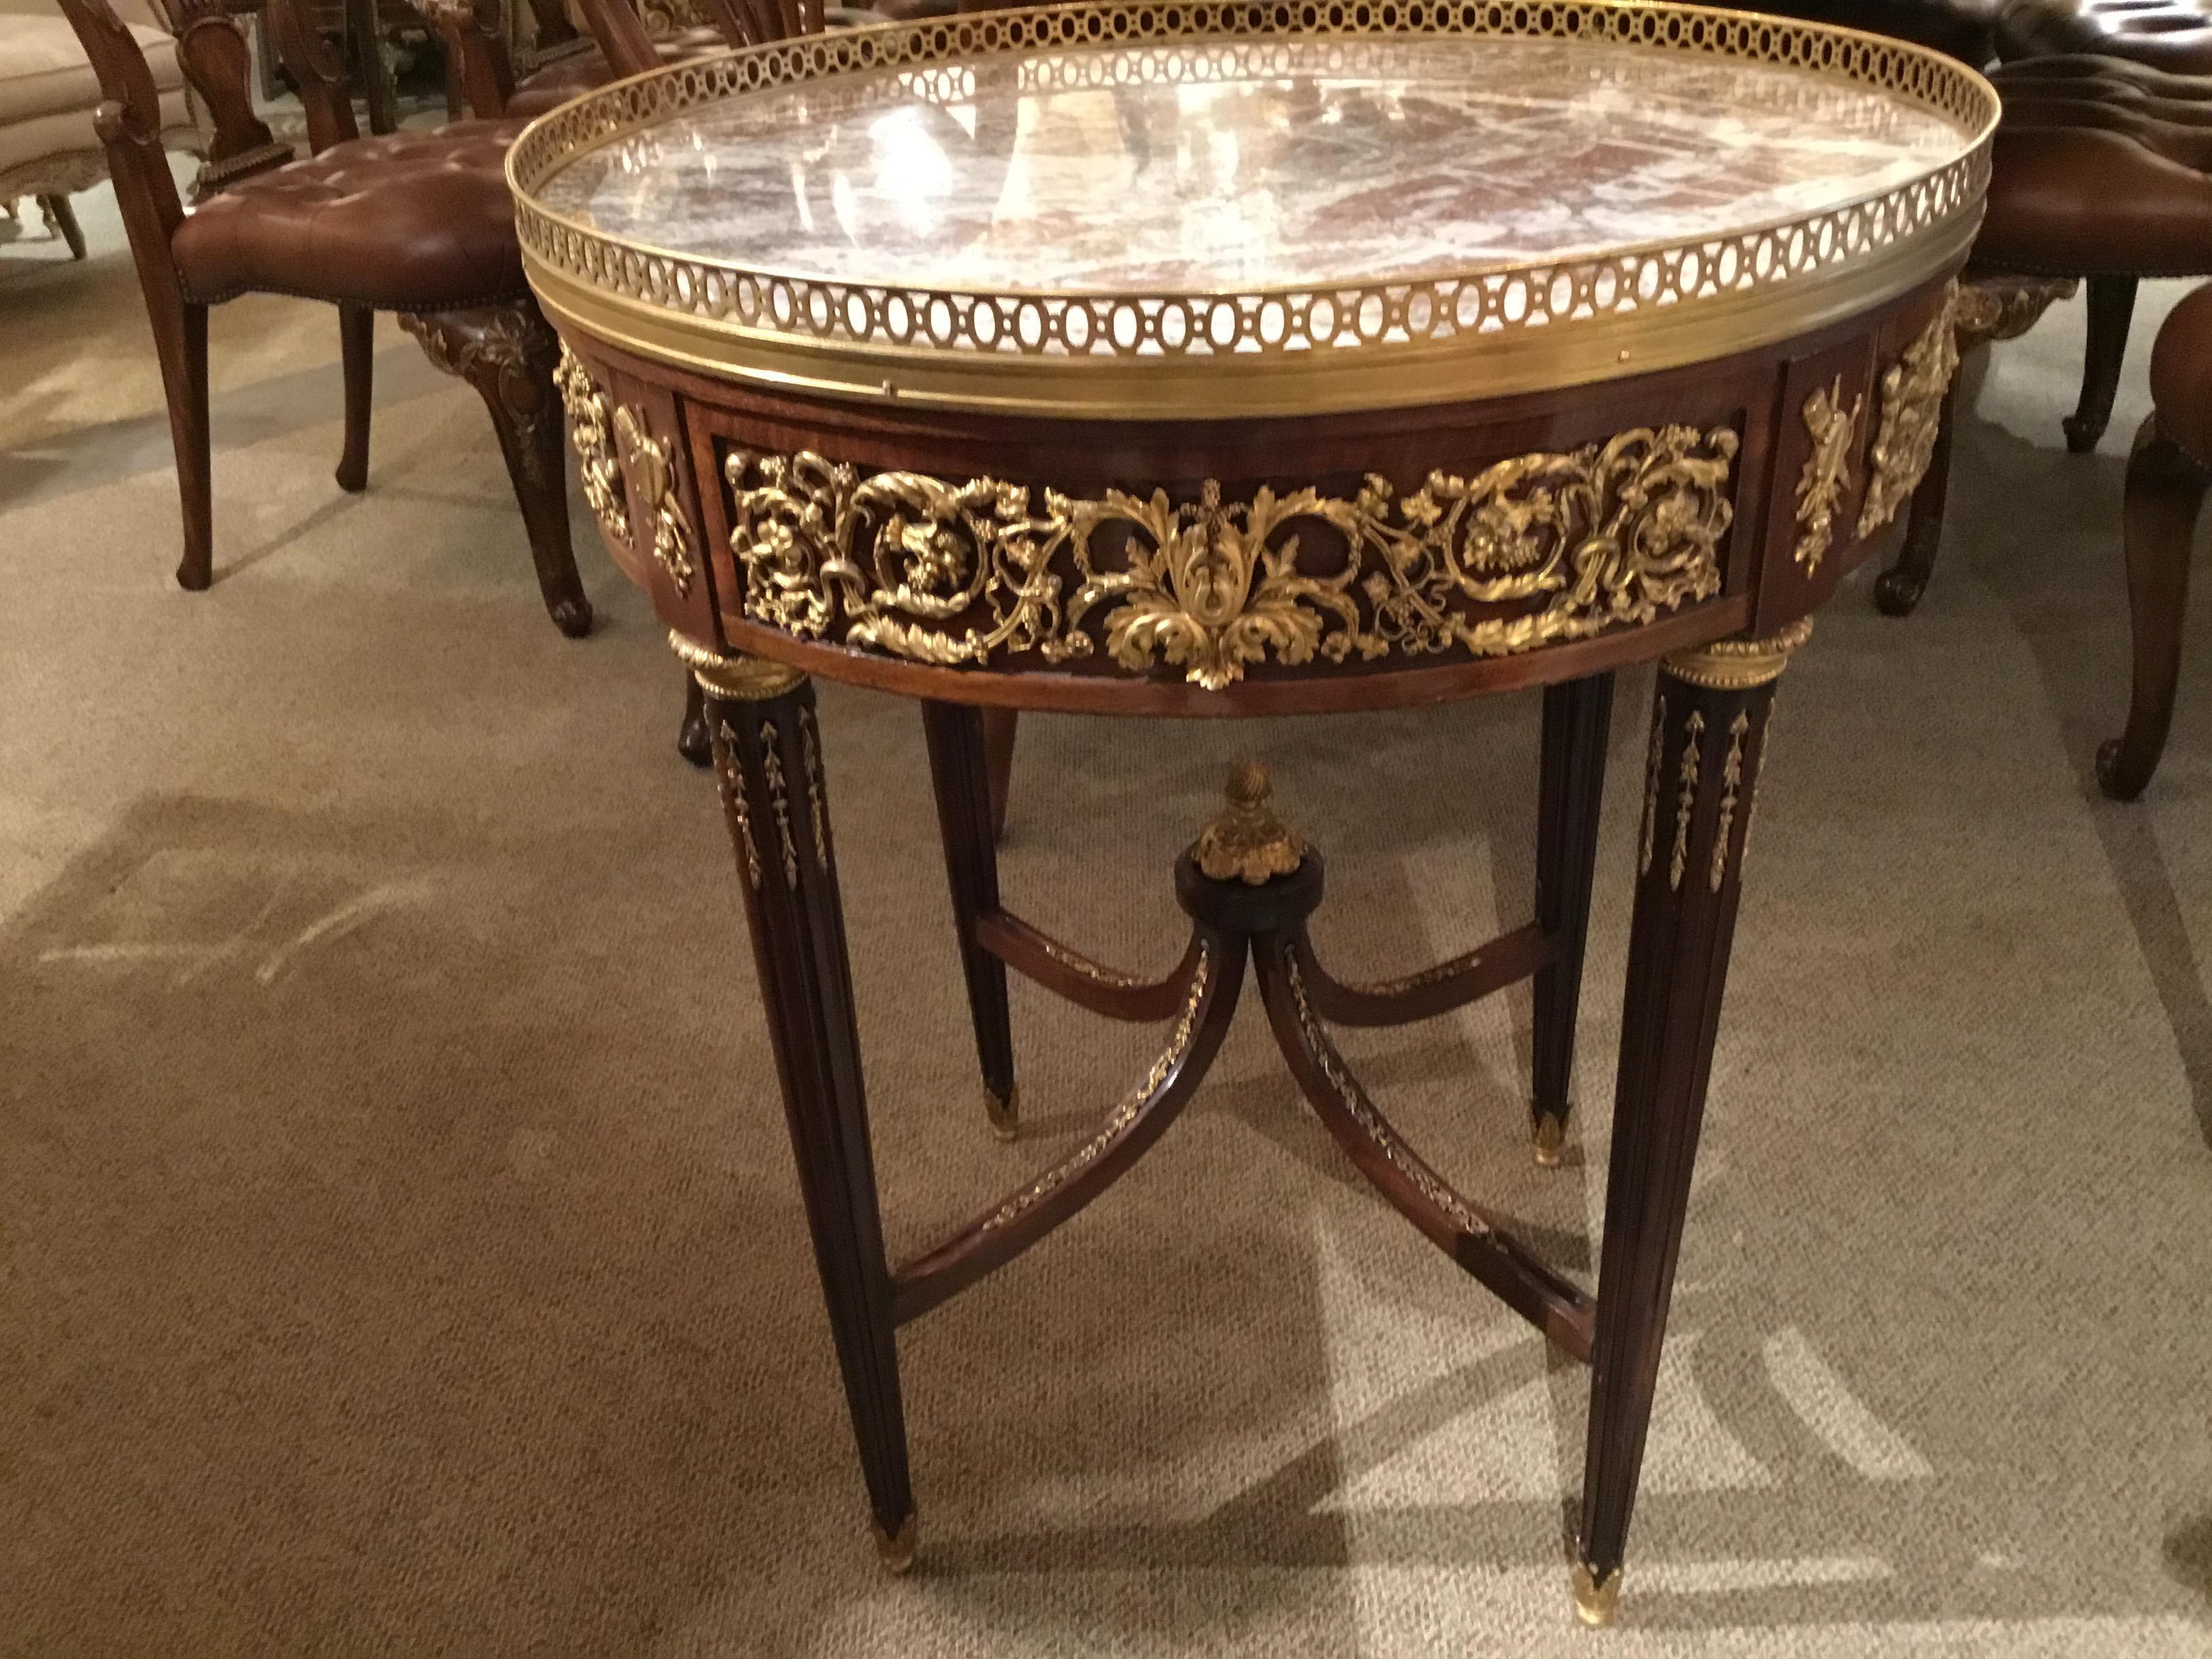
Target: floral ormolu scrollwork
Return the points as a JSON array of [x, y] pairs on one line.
[[1827, 475], [937, 572], [588, 424], [647, 459], [1911, 408]]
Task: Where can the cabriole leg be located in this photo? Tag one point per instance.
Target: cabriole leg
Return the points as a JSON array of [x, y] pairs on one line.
[[508, 354], [1709, 727], [61, 219], [959, 772], [2112, 308], [2165, 492], [768, 759], [1989, 308], [691, 740], [1577, 716], [1897, 591]]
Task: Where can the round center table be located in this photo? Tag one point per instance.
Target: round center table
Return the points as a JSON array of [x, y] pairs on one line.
[[1246, 359]]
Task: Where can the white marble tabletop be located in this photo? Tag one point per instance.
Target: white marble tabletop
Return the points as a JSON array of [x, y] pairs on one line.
[[1198, 166]]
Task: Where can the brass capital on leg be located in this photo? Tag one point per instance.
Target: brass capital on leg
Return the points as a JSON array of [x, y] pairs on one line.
[[1739, 664], [734, 679], [1551, 1140]]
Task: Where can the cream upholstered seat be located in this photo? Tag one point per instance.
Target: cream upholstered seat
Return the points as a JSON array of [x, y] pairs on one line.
[[47, 96]]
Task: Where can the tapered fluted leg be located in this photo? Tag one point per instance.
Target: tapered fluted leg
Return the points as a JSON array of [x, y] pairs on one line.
[[1577, 715], [2166, 491], [1898, 590], [959, 771], [2112, 308], [768, 757], [1708, 742], [357, 359], [508, 354]]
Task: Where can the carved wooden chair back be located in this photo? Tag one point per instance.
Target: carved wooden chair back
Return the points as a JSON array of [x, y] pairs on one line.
[[218, 66], [760, 22], [626, 37], [478, 62]]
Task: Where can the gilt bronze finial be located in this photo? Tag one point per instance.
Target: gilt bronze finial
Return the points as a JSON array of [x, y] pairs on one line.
[[1245, 840]]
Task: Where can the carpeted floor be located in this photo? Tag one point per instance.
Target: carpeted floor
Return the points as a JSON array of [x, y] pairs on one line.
[[400, 1253]]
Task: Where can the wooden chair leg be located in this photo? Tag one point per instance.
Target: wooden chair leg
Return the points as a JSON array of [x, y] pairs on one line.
[[693, 740], [1577, 715], [959, 745], [2111, 306], [1898, 590], [2166, 491], [180, 344], [61, 219], [1990, 307], [358, 357], [508, 353], [1000, 727]]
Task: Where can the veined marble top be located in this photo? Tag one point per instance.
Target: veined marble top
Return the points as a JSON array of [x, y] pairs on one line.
[[1202, 165]]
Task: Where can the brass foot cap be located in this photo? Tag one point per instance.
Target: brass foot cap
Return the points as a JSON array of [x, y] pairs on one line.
[[1595, 1598], [896, 1548], [1005, 1114], [1551, 1140]]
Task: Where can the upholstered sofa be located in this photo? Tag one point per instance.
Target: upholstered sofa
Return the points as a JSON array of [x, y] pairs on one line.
[[47, 96]]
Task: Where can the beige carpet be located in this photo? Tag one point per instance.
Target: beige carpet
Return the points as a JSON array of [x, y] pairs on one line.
[[400, 1253]]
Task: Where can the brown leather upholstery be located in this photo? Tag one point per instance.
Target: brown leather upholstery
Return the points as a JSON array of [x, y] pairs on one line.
[[1965, 29], [2169, 34], [2181, 374], [2100, 167], [410, 221]]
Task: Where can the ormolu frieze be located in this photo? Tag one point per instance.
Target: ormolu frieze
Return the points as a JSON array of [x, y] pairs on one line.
[[1533, 551], [1912, 409], [588, 429]]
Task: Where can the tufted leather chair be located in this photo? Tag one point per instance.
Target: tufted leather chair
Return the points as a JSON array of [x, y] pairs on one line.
[[419, 223], [1964, 29], [2172, 36], [2101, 169]]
